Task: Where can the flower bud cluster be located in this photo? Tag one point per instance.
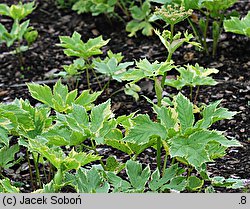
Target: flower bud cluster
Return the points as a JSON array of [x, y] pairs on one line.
[[172, 14]]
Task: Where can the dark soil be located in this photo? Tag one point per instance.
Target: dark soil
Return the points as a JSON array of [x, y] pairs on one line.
[[45, 58]]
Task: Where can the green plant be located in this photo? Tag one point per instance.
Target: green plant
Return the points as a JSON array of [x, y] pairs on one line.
[[19, 31], [96, 7], [145, 69], [75, 47], [56, 140], [107, 7], [192, 76], [111, 66], [172, 16], [214, 10], [235, 25], [141, 20]]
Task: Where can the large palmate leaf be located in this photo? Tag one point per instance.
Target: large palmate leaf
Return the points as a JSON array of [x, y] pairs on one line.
[[235, 25], [118, 183], [90, 181], [39, 116], [138, 177], [60, 99], [16, 115], [141, 20], [157, 182], [74, 46], [21, 119], [144, 129], [194, 148], [78, 125], [95, 7], [145, 69], [17, 12], [58, 158], [62, 135], [213, 113], [192, 76], [112, 67]]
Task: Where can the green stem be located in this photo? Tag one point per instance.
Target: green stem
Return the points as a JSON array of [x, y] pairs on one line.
[[123, 8], [38, 179], [158, 157], [170, 54], [87, 75], [119, 90], [195, 30], [205, 34], [158, 91], [190, 169], [94, 148], [45, 174], [19, 54], [164, 164], [172, 33], [191, 93], [216, 39], [196, 94], [30, 170], [99, 83], [106, 86]]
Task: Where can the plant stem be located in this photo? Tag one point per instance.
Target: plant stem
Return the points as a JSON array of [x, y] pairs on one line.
[[205, 34], [87, 75], [172, 33], [45, 174], [164, 164], [123, 8], [170, 54], [94, 148], [99, 83], [30, 170], [196, 33], [37, 170], [216, 39], [191, 93], [158, 91], [158, 157], [19, 54], [196, 94], [119, 90], [106, 86]]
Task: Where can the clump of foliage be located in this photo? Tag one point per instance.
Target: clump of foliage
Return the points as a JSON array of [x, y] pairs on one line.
[[65, 133], [213, 10], [75, 47], [55, 141], [20, 30], [141, 20]]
